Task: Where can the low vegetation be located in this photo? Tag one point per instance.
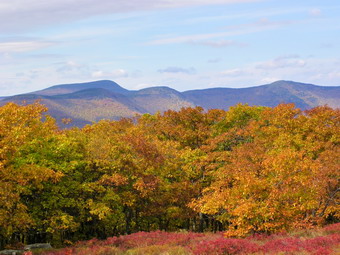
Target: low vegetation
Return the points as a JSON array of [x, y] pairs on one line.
[[317, 241]]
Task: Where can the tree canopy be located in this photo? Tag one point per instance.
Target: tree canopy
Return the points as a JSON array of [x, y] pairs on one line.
[[247, 170]]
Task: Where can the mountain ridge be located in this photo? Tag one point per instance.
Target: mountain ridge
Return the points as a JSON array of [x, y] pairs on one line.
[[104, 99], [74, 87]]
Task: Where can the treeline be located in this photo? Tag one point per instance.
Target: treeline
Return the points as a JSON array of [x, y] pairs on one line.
[[246, 170]]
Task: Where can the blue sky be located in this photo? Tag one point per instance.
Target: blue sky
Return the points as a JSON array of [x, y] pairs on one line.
[[183, 44]]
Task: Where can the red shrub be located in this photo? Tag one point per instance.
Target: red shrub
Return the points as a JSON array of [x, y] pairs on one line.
[[321, 244], [142, 239], [282, 245], [334, 228], [225, 246], [208, 244]]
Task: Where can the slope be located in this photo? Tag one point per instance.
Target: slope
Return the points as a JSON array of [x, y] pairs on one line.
[[160, 99], [302, 95], [70, 88]]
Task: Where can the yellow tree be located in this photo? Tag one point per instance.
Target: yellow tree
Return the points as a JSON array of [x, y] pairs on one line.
[[190, 127], [19, 126], [142, 174]]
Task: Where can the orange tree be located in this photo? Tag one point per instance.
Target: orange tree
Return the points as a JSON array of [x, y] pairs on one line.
[[278, 171], [189, 129]]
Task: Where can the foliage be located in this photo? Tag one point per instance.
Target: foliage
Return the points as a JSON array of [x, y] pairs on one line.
[[279, 171], [247, 170], [160, 242], [19, 175]]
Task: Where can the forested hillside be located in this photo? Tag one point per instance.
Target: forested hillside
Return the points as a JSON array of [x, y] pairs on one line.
[[243, 171]]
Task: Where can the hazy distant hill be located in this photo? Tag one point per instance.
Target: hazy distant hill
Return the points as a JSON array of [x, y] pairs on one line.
[[302, 95], [160, 99], [69, 88], [92, 101]]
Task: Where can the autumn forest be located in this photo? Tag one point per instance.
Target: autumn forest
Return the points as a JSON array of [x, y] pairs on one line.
[[247, 170]]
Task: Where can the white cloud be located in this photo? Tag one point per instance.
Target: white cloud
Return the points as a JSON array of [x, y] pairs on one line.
[[269, 79], [334, 75], [180, 3], [319, 71], [187, 38], [23, 46], [248, 15], [214, 60], [260, 25], [70, 66], [143, 86], [292, 61], [315, 12], [220, 43], [70, 70], [176, 69], [118, 73], [233, 72], [24, 14]]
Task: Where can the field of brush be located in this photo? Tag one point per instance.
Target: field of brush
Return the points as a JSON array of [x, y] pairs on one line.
[[320, 241]]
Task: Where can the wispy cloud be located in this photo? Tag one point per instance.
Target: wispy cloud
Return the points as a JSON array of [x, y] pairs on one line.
[[23, 46], [326, 45], [287, 67], [233, 72], [260, 25], [24, 14], [72, 69], [277, 67], [315, 12], [85, 71], [258, 14], [220, 43], [269, 79], [113, 74], [175, 69], [187, 38], [158, 42], [289, 61], [214, 60]]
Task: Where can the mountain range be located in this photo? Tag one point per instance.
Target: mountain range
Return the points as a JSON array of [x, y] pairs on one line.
[[92, 101]]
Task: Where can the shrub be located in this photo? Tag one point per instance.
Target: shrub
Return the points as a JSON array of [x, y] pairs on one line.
[[225, 246], [159, 242], [159, 249]]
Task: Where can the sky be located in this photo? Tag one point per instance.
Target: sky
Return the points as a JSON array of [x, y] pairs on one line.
[[182, 44]]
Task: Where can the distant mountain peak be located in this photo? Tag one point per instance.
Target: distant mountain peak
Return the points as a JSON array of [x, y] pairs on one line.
[[157, 90], [289, 83], [70, 88], [90, 93]]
